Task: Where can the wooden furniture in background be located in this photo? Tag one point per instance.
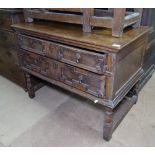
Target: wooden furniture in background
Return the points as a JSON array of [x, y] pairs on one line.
[[149, 56], [9, 66], [116, 19], [94, 65]]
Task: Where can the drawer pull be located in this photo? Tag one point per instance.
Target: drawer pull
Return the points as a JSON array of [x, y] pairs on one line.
[[80, 79], [78, 58]]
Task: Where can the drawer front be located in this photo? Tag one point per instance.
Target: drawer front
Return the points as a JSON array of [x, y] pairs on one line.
[[81, 58], [77, 57], [8, 39], [35, 63], [32, 44], [5, 22], [75, 77], [84, 80]]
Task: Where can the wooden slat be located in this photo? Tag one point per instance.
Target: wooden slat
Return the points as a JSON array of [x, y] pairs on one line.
[[87, 14], [69, 18], [118, 22], [101, 21], [66, 9], [123, 109], [131, 19], [117, 18], [103, 13], [140, 11]]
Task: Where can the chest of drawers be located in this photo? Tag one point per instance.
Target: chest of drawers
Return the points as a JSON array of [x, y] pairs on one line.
[[97, 66]]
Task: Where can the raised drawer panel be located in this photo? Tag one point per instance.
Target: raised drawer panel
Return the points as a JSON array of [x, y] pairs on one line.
[[84, 80], [35, 63], [84, 59], [55, 69], [88, 60], [32, 44], [75, 77]]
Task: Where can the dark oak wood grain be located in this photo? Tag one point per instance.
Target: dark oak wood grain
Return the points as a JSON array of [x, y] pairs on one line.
[[94, 65], [58, 42]]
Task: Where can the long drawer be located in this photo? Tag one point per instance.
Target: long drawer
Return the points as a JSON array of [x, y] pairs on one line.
[[88, 60], [81, 79]]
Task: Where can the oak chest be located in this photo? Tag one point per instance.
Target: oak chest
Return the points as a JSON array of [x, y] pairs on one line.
[[9, 66], [94, 65]]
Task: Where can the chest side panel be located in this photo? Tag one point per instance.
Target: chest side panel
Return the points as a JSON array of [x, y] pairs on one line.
[[129, 66]]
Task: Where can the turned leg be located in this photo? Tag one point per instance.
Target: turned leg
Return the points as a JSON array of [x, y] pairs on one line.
[[30, 87], [108, 124]]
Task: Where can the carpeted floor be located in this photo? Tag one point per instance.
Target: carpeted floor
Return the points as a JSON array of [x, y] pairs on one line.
[[58, 118]]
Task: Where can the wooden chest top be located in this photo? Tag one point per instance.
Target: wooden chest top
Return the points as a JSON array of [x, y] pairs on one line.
[[99, 40]]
